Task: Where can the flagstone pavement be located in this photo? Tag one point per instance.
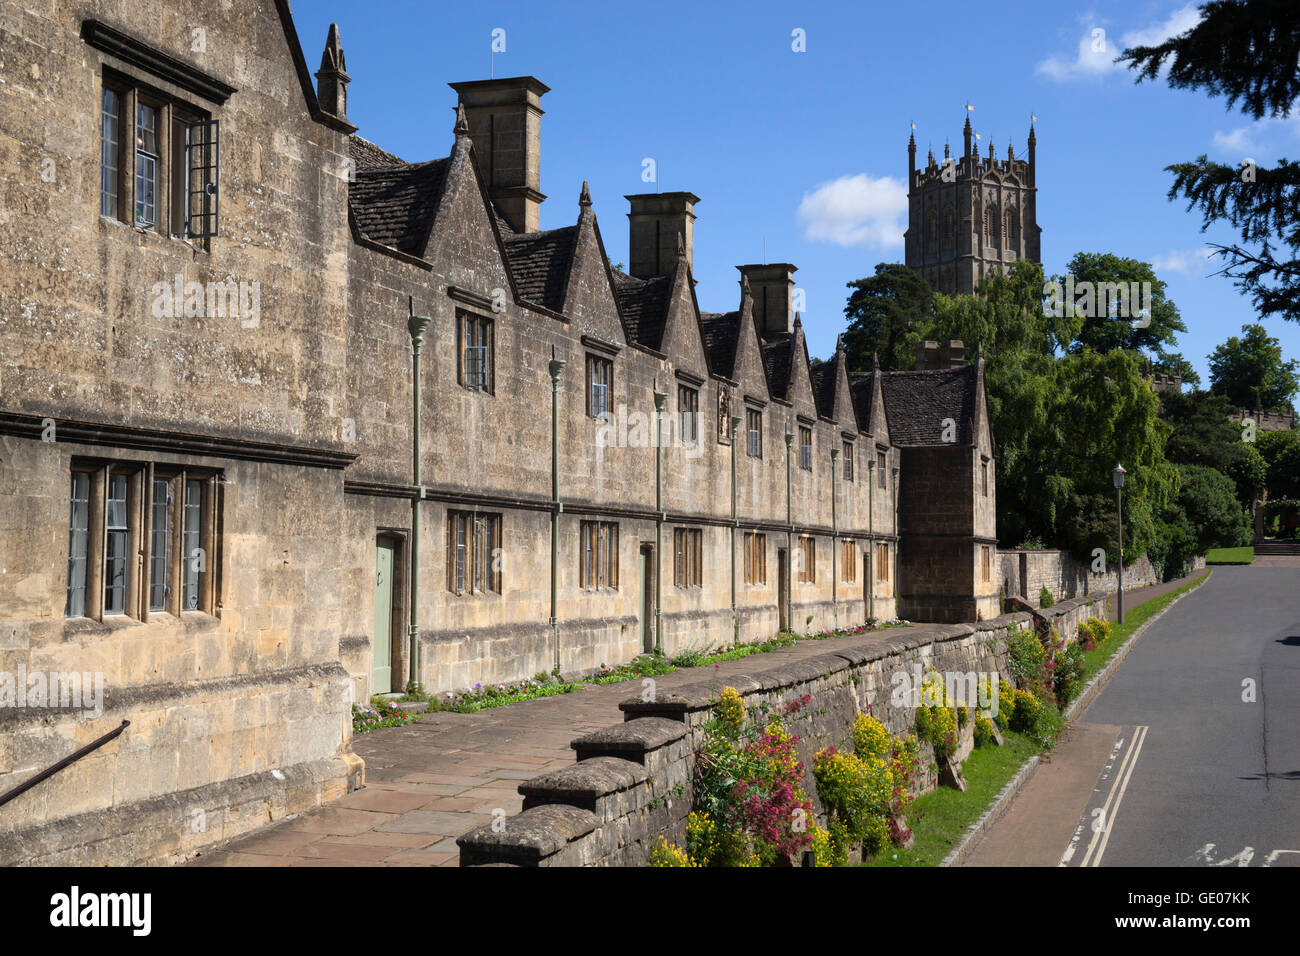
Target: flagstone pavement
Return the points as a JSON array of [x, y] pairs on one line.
[[431, 781]]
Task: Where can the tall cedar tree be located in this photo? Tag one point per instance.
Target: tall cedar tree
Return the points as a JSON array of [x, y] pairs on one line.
[[1248, 52], [884, 312]]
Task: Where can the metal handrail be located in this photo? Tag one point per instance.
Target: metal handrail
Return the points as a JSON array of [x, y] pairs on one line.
[[66, 761]]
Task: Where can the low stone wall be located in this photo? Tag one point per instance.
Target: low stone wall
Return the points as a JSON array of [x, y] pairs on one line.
[[1027, 572], [632, 782]]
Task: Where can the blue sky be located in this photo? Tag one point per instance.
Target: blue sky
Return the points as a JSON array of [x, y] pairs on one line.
[[801, 156]]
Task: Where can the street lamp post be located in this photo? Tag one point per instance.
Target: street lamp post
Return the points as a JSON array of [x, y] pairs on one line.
[[1118, 476]]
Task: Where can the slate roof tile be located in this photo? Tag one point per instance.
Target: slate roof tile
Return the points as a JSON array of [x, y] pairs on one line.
[[778, 355], [916, 404], [823, 386], [721, 337], [540, 264], [644, 304], [396, 205]]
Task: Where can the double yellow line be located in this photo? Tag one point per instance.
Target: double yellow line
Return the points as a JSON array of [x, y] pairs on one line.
[[1109, 810]]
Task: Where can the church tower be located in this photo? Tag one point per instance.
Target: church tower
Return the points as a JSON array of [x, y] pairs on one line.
[[970, 217]]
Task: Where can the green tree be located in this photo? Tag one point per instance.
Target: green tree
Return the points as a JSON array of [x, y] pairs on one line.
[[1106, 332], [1281, 452], [1246, 51], [1204, 435], [1249, 369], [884, 312], [1209, 500], [1173, 363]]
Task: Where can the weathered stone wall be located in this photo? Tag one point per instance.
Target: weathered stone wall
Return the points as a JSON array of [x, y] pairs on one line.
[[617, 800], [491, 452], [239, 712], [1027, 572]]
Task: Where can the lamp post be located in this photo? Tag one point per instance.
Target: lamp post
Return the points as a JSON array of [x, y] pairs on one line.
[[1118, 477]]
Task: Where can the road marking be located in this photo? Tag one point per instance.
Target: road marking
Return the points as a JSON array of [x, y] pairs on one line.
[[1139, 739], [1097, 845], [1115, 751], [1272, 857]]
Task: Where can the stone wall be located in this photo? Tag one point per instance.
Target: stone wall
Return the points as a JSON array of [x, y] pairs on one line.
[[614, 803], [1027, 572], [239, 707]]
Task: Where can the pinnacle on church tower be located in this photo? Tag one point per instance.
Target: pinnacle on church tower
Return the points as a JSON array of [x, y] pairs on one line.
[[974, 220]]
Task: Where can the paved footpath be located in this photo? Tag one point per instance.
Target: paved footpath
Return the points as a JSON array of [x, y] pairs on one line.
[[431, 781]]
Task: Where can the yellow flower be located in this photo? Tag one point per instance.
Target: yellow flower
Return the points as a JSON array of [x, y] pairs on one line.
[[730, 708]]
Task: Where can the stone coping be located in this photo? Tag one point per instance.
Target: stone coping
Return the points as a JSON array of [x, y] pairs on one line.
[[877, 646]]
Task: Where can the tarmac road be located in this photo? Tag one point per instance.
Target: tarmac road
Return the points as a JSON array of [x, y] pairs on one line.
[[1191, 754]]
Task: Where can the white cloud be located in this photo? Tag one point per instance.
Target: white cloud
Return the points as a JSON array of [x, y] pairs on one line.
[[1256, 137], [1235, 141], [1096, 52], [1190, 262], [1093, 58], [1180, 21], [856, 211]]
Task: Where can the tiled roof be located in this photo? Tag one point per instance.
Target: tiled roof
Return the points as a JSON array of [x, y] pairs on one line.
[[861, 393], [823, 386], [721, 336], [540, 263], [644, 304], [503, 224], [395, 205], [916, 404], [366, 155], [777, 359]]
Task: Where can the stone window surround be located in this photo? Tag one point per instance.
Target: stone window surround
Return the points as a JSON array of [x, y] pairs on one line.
[[478, 533], [599, 367], [688, 553], [485, 328], [598, 555], [140, 540], [755, 558], [171, 111]]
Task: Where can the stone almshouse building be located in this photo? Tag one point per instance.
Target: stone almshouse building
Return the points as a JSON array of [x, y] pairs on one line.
[[206, 429], [972, 216]]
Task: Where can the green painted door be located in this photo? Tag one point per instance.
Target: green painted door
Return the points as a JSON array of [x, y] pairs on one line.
[[382, 681]]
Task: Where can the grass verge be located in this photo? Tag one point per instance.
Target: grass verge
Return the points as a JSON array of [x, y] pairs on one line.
[[1095, 660], [940, 819], [1230, 556]]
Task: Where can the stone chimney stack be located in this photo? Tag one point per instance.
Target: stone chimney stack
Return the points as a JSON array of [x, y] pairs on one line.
[[654, 225], [505, 124], [773, 289], [332, 78]]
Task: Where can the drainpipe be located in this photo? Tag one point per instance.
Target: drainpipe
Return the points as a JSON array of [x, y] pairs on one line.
[[660, 398], [835, 545], [555, 367], [416, 325], [897, 539], [871, 534], [735, 524], [789, 539]]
